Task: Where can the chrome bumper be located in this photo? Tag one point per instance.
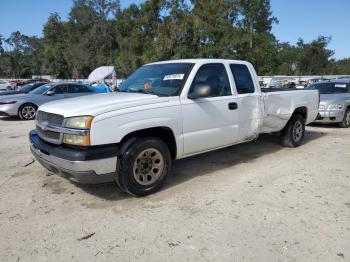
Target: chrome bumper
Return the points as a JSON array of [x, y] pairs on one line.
[[327, 116], [85, 172]]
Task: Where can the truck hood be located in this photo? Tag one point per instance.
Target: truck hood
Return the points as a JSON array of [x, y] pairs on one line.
[[97, 104]]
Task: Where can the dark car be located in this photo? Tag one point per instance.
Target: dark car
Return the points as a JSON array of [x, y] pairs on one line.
[[23, 89], [20, 83]]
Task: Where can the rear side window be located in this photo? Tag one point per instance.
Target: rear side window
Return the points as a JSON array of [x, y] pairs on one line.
[[242, 78]]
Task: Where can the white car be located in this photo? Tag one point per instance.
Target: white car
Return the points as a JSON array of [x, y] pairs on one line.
[[162, 112], [5, 85]]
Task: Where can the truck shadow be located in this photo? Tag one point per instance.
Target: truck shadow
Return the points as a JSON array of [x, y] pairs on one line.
[[207, 163], [201, 165], [331, 125]]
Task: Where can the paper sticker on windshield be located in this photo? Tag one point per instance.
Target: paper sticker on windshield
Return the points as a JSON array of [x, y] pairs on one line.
[[340, 85], [174, 77]]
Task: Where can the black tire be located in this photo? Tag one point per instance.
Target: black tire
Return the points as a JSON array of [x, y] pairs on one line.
[[346, 121], [27, 111], [293, 133], [136, 165]]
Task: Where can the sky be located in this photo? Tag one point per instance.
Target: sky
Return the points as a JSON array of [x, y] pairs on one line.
[[306, 19]]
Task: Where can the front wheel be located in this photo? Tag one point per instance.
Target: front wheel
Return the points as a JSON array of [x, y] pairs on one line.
[[346, 121], [143, 166], [27, 112], [293, 133]]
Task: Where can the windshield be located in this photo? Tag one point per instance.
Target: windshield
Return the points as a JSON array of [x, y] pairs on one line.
[[331, 88], [158, 79], [28, 87], [41, 89]]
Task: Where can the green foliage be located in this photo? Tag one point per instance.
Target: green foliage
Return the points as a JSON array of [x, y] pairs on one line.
[[98, 32]]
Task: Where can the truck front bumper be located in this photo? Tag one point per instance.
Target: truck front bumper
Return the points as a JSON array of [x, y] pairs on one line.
[[329, 116], [86, 166]]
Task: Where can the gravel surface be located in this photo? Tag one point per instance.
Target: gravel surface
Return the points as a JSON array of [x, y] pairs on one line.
[[252, 202]]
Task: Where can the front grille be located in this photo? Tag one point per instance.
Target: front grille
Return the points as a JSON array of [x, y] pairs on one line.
[[50, 118], [47, 134], [44, 119]]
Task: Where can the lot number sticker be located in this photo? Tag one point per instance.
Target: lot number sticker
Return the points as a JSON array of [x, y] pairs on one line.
[[174, 77]]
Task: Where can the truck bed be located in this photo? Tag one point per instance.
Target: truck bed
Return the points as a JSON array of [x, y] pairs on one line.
[[279, 89], [280, 104]]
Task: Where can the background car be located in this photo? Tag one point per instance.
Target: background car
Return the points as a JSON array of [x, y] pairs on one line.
[[334, 102], [5, 85], [23, 89], [26, 105], [29, 81]]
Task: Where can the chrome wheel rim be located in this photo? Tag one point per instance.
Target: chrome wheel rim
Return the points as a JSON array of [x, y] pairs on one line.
[[148, 166], [297, 131], [28, 112]]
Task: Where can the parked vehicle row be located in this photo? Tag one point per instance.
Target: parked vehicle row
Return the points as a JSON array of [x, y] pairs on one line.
[[165, 111], [25, 89], [25, 104], [14, 85]]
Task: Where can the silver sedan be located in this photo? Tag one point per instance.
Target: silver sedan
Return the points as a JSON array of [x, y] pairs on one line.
[[334, 102], [25, 105]]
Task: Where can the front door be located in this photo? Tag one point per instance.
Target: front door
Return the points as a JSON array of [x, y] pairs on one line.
[[210, 122]]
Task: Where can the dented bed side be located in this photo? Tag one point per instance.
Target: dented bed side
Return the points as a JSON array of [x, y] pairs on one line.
[[280, 106]]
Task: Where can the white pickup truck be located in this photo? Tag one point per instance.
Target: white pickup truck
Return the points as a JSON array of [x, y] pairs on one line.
[[162, 112]]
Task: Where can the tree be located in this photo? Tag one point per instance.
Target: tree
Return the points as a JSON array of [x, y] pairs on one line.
[[99, 32], [213, 24], [54, 47], [314, 57]]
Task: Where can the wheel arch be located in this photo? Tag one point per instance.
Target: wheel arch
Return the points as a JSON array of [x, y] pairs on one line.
[[302, 110], [164, 133]]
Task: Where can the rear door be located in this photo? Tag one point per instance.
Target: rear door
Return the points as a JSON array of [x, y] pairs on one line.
[[250, 104], [210, 122]]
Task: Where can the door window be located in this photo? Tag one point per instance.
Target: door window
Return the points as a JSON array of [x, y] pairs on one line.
[[242, 78], [77, 89], [214, 75], [60, 89]]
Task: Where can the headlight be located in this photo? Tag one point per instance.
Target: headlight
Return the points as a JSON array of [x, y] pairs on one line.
[[336, 107], [7, 102], [80, 122], [76, 140]]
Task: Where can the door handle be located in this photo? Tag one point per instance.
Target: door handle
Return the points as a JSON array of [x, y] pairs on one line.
[[232, 106]]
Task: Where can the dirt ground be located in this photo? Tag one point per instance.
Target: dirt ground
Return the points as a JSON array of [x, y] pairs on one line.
[[252, 202]]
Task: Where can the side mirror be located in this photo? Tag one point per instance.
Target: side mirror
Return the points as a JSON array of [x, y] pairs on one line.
[[200, 91], [50, 93]]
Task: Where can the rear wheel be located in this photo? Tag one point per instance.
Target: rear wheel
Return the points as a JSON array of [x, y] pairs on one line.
[[293, 133], [346, 121], [27, 112], [143, 166]]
